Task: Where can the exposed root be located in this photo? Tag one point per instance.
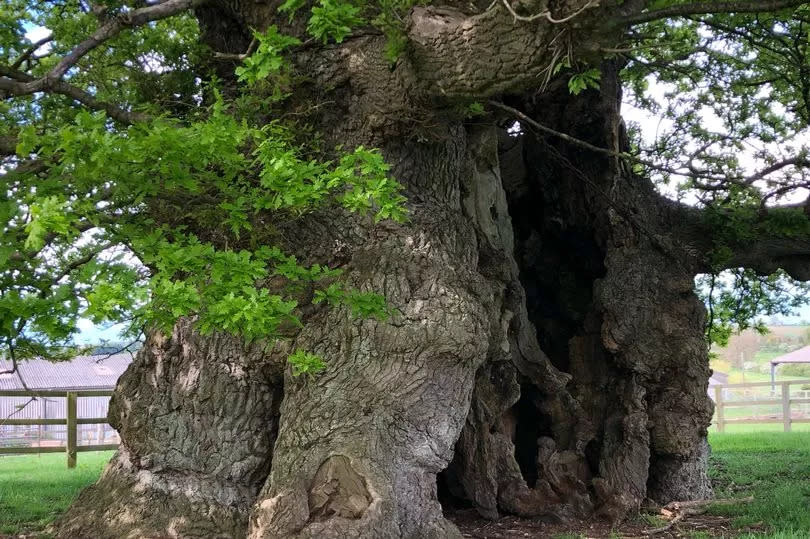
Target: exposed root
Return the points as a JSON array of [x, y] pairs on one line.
[[677, 511]]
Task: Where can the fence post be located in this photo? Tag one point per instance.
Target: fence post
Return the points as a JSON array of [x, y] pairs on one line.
[[786, 405], [71, 429], [718, 404]]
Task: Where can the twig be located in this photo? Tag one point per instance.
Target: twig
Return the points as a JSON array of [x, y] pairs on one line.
[[239, 57], [704, 8], [547, 14], [19, 409], [31, 50], [125, 348], [696, 507]]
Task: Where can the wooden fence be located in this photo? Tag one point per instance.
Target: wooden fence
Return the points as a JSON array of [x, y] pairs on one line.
[[784, 407], [71, 422]]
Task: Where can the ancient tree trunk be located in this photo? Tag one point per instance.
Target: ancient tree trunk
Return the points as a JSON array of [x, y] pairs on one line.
[[610, 297], [197, 419], [546, 357]]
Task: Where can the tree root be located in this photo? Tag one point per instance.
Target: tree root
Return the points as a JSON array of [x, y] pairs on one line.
[[677, 511]]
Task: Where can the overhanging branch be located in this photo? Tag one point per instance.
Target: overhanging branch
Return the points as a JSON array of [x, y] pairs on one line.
[[109, 30], [707, 8], [15, 83], [457, 55]]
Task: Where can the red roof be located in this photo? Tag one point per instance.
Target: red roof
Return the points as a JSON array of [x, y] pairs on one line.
[[802, 355]]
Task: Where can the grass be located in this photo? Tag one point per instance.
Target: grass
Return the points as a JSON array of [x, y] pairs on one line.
[[775, 470], [36, 489], [773, 467]]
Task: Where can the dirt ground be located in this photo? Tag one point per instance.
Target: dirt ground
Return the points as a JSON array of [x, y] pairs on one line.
[[509, 527]]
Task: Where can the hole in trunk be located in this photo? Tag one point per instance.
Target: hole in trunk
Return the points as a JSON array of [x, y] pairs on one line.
[[556, 244], [530, 424], [450, 492]]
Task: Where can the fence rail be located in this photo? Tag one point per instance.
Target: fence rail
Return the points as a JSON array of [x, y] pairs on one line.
[[761, 394], [71, 448]]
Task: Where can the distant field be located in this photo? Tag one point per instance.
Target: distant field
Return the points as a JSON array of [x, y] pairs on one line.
[[36, 489], [762, 428], [765, 357], [736, 376]]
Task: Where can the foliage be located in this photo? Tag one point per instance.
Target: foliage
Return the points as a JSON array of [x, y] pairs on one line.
[[737, 299], [580, 82], [729, 92], [155, 196], [333, 20], [305, 363], [795, 369], [268, 58], [155, 220], [726, 85]]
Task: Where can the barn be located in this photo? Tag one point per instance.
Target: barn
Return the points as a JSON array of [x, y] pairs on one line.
[[81, 373]]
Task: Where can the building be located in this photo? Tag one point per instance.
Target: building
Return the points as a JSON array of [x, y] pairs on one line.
[[717, 379], [80, 373], [802, 355]]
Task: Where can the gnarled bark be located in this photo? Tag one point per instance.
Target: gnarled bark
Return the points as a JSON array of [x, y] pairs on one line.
[[611, 299], [546, 357], [197, 418]]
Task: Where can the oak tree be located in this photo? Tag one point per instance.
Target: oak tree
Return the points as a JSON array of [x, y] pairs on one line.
[[387, 253]]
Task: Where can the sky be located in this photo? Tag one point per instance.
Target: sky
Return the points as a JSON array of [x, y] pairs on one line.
[[90, 333]]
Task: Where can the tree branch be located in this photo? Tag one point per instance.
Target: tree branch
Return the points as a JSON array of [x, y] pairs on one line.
[[760, 250], [520, 116], [31, 50], [116, 24], [110, 29], [707, 8], [798, 162], [15, 83], [454, 54]]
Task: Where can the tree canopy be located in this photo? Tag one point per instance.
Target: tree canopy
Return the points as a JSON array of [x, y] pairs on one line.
[[147, 176]]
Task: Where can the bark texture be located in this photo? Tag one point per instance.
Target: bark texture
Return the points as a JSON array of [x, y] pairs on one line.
[[546, 357], [610, 295], [197, 419]]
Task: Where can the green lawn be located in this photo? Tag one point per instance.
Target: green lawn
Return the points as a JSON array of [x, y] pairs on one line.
[[36, 489], [774, 468]]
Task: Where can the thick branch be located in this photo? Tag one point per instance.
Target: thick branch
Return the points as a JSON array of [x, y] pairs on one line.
[[799, 162], [761, 250], [458, 55], [15, 83], [706, 8], [8, 145]]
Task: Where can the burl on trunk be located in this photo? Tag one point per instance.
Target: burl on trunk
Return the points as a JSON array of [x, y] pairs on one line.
[[546, 356]]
